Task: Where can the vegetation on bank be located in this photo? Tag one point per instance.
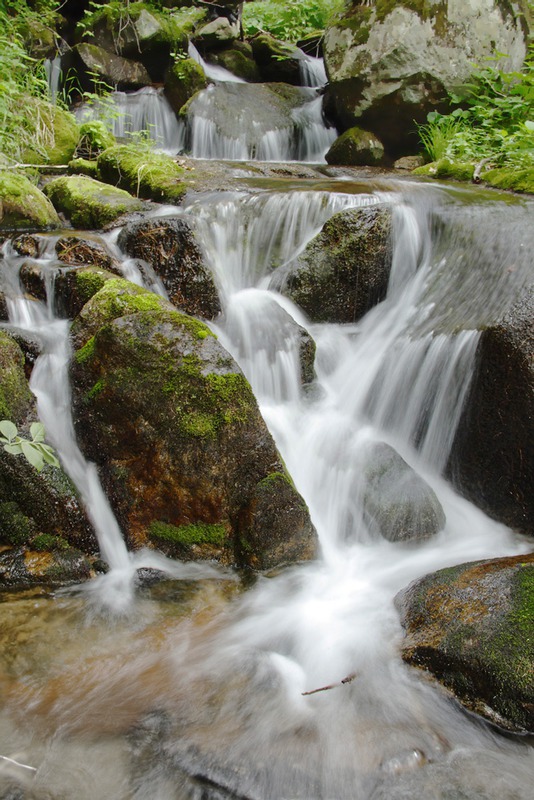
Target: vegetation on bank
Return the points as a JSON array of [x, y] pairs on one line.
[[490, 130]]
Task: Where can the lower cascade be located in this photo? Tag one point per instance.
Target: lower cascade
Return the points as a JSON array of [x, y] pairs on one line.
[[190, 689]]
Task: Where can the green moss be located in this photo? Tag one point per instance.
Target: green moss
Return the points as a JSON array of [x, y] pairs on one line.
[[445, 168], [15, 395], [95, 390], [88, 282], [517, 180], [184, 79], [15, 527], [94, 138], [143, 172], [23, 204], [57, 134], [46, 541], [81, 166], [187, 535], [89, 203], [86, 352]]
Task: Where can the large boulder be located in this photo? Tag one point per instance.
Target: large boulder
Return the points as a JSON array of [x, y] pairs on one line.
[[344, 270], [276, 60], [389, 64], [237, 59], [171, 247], [23, 205], [95, 66], [89, 203], [184, 78], [397, 503], [472, 627], [492, 459], [176, 432]]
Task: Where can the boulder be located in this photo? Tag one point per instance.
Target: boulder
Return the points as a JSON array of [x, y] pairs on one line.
[[183, 79], [389, 64], [74, 287], [95, 66], [23, 205], [176, 432], [398, 504], [27, 244], [59, 565], [78, 252], [145, 173], [171, 247], [33, 277], [238, 60], [492, 458], [277, 61], [16, 400], [356, 148], [217, 33], [472, 627], [344, 270], [89, 203]]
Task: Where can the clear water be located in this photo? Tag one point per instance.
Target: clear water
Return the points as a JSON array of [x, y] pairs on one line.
[[201, 680]]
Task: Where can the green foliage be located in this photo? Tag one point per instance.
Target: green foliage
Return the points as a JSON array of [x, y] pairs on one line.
[[289, 20], [493, 120], [46, 541], [36, 452], [187, 535]]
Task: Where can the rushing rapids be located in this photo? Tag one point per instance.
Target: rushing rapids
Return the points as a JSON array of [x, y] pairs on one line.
[[199, 693]]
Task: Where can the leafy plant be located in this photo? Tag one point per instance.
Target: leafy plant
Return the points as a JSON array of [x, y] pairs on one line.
[[36, 452], [289, 20], [493, 120]]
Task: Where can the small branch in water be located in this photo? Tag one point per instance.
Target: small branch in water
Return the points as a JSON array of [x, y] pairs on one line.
[[348, 679], [478, 169], [17, 763]]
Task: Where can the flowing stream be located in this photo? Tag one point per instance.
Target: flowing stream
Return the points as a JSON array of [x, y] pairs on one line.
[[199, 692]]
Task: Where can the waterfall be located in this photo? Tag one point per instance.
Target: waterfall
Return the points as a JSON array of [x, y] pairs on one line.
[[212, 71], [312, 71], [145, 111], [53, 76]]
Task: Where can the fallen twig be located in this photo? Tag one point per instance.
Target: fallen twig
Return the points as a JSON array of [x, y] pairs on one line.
[[17, 763], [348, 679]]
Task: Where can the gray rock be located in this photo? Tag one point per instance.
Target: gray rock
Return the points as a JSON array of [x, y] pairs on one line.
[[277, 61], [389, 64], [344, 271], [94, 66], [397, 502], [218, 33], [472, 627], [356, 147]]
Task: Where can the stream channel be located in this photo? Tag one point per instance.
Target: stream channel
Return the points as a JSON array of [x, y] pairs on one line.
[[194, 688]]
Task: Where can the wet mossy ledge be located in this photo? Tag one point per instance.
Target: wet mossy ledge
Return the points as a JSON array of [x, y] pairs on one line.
[[23, 206], [472, 627], [511, 179], [89, 203], [174, 427], [144, 173]]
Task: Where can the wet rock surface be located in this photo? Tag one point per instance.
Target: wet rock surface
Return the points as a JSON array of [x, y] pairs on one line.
[[472, 627], [183, 472], [344, 271], [170, 246]]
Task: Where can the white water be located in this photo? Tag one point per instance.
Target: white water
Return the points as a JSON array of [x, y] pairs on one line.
[[212, 71], [145, 111], [230, 696], [53, 76]]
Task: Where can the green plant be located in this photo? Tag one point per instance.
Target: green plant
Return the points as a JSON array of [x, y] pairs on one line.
[[289, 20], [36, 452]]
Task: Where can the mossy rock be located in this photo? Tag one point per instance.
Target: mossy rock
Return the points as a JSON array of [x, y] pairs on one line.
[[56, 134], [472, 627], [173, 426], [82, 166], [15, 396], [183, 79], [74, 287], [97, 68], [89, 203], [21, 567], [344, 270], [148, 174], [217, 33], [517, 180], [23, 205], [237, 60], [445, 168], [277, 61], [356, 147]]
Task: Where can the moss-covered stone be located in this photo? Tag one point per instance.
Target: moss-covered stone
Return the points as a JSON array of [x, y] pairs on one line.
[[472, 626], [238, 60], [173, 424], [356, 147], [183, 79], [23, 205], [56, 134], [276, 60], [344, 270], [97, 69], [74, 287], [517, 180], [81, 166], [89, 203], [15, 527], [445, 168], [15, 395], [143, 172]]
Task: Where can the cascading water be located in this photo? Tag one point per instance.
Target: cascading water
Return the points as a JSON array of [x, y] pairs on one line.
[[222, 697]]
